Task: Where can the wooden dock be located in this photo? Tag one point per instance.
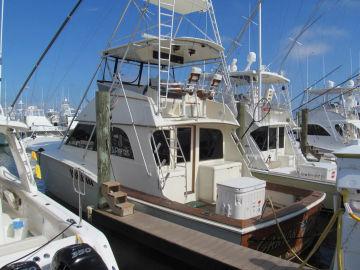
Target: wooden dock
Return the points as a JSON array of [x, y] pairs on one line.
[[192, 247]]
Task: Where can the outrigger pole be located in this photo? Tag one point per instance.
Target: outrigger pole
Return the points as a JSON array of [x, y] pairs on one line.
[[58, 32]]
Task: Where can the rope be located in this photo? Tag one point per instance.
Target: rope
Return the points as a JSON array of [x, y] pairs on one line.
[[322, 237], [339, 251], [284, 237]]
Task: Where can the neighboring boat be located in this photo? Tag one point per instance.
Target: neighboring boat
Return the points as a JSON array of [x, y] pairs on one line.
[[67, 114], [35, 231], [174, 148], [40, 127], [336, 123], [269, 143], [53, 116]]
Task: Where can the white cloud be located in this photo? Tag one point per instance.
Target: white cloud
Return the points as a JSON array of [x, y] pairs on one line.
[[312, 48], [315, 41]]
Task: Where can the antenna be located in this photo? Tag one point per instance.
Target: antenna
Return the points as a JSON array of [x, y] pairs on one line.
[[323, 69], [260, 50], [1, 48], [351, 64]]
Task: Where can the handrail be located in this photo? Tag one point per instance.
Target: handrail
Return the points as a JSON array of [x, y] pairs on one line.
[[159, 162], [119, 81], [292, 142]]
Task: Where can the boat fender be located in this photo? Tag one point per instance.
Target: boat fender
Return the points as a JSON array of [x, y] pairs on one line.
[[28, 265], [76, 257]]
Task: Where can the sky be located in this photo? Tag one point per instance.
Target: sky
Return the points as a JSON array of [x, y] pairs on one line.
[[66, 70]]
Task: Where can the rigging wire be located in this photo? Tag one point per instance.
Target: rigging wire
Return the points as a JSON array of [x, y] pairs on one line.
[[57, 34], [347, 91], [315, 83], [78, 54], [236, 41], [327, 91], [264, 104]]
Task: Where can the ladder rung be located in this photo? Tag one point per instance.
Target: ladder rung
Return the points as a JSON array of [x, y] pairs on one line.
[[166, 25], [166, 14], [166, 4], [166, 36], [166, 48]]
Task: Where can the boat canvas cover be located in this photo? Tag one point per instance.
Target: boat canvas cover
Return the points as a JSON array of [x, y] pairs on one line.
[[184, 50], [184, 6]]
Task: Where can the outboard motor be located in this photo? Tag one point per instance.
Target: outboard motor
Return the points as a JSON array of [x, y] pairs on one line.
[[78, 256], [28, 265]]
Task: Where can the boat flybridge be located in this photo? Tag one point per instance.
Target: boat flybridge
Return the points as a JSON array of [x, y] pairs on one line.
[[173, 146], [336, 123], [269, 142], [35, 231]]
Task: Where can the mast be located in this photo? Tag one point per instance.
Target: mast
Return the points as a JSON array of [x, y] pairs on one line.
[[1, 49], [260, 53]]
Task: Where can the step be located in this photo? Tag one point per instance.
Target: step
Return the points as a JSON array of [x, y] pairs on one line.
[[110, 187], [124, 209], [118, 197]]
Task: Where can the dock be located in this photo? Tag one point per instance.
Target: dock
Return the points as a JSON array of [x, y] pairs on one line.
[[205, 251]]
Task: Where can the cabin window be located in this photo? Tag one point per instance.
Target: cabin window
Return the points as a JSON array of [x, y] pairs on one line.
[[281, 137], [80, 136], [339, 129], [120, 144], [211, 144], [260, 136], [272, 138], [161, 146], [184, 138], [317, 130]]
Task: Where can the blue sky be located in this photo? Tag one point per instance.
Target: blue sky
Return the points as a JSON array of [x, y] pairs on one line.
[[29, 25]]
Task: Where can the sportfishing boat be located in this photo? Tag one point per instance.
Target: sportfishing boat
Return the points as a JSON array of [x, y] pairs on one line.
[[173, 147], [35, 231], [269, 140], [335, 123], [53, 116], [40, 127]]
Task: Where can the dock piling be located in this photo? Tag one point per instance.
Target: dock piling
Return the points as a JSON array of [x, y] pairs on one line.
[[304, 131], [103, 141]]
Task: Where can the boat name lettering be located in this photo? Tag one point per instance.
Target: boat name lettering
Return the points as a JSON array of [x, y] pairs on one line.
[[83, 177]]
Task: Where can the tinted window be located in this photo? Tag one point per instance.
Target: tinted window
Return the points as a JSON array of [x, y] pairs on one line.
[[184, 137], [161, 146], [281, 137], [120, 144], [260, 136], [80, 136], [272, 138], [339, 129], [211, 144], [317, 130]]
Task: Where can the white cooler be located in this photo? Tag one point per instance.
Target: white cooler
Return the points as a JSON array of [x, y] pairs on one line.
[[241, 197]]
